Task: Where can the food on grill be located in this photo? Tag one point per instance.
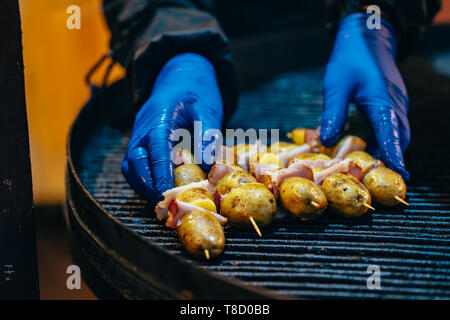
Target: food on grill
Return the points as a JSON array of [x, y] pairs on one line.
[[233, 180], [346, 195], [329, 167], [295, 187], [252, 201], [303, 198], [173, 209], [220, 170], [241, 148], [289, 153], [386, 186], [312, 156], [181, 156], [316, 171], [346, 145], [302, 135], [225, 154], [269, 158], [279, 146], [309, 156], [198, 196], [311, 137], [273, 177], [248, 154], [191, 209], [201, 234], [363, 159], [306, 177], [188, 173]]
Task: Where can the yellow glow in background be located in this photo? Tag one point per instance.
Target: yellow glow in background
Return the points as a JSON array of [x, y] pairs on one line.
[[56, 61]]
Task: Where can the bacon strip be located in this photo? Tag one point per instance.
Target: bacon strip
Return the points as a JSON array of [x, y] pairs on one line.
[[180, 157], [259, 170], [278, 176], [350, 144], [294, 170], [179, 208], [287, 154], [244, 159], [162, 207], [344, 166], [224, 154], [218, 171]]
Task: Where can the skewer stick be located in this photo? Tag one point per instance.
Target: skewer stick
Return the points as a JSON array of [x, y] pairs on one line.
[[206, 254], [289, 135], [401, 200], [315, 204], [368, 206], [255, 226]]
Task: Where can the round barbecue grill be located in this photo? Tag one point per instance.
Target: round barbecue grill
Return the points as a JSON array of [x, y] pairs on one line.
[[124, 251]]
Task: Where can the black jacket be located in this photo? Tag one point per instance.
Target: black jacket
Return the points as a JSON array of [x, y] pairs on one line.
[[147, 33]]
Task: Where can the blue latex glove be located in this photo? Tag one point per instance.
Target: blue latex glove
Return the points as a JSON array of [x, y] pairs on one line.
[[185, 91], [362, 69]]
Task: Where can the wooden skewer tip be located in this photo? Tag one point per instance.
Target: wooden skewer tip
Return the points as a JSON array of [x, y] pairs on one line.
[[206, 254], [315, 204], [255, 226], [289, 135], [401, 200], [369, 206]]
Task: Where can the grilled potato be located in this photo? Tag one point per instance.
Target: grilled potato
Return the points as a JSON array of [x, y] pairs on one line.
[[269, 158], [188, 173], [313, 156], [346, 195], [199, 231], [201, 197], [303, 198], [280, 146], [250, 200], [363, 159], [233, 180], [384, 184]]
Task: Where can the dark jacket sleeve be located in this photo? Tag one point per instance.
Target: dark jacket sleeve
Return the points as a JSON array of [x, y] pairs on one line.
[[145, 34], [410, 18]]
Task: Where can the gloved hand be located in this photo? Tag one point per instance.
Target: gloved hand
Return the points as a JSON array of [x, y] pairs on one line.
[[185, 91], [362, 69]]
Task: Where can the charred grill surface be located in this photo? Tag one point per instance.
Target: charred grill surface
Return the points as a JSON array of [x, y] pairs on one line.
[[324, 258]]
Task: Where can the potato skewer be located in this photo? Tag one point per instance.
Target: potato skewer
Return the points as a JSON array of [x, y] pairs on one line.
[[385, 185], [322, 169], [244, 201], [344, 146], [294, 187]]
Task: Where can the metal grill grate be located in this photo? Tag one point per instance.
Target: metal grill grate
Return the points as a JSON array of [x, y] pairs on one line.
[[324, 258]]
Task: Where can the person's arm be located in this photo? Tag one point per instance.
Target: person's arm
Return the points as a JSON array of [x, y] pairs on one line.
[[362, 69], [180, 65], [145, 34]]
